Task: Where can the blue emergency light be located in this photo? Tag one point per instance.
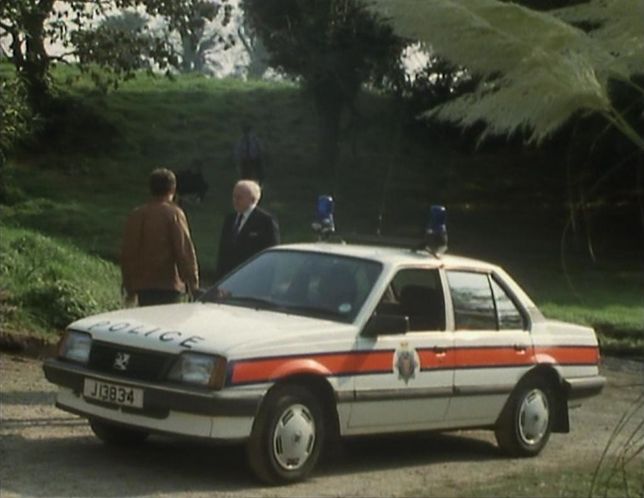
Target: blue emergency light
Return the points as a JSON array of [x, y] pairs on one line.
[[324, 224], [436, 230]]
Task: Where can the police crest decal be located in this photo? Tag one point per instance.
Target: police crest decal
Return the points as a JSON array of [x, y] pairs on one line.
[[406, 362]]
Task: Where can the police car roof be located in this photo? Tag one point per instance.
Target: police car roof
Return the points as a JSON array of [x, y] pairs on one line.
[[389, 255]]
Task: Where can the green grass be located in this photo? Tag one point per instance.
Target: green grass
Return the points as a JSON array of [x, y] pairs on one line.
[[568, 483], [48, 283], [78, 184]]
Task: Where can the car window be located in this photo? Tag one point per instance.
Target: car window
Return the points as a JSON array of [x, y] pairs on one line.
[[472, 300], [509, 317], [418, 295], [301, 282]]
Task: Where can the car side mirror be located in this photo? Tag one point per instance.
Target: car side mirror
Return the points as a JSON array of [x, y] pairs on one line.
[[385, 325]]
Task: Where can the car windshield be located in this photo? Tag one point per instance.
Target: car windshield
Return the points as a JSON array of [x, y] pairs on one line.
[[300, 282]]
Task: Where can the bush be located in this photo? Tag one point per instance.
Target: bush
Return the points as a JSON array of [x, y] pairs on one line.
[[60, 302], [46, 283], [15, 119]]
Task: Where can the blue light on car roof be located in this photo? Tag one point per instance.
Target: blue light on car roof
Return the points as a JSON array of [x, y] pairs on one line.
[[436, 230], [324, 224], [438, 218]]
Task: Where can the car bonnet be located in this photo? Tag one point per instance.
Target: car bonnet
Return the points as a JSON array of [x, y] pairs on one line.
[[203, 327]]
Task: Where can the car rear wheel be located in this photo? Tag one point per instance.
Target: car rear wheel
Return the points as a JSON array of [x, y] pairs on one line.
[[526, 422], [115, 434], [287, 435]]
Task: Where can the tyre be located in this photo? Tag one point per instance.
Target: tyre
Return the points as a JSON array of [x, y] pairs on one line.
[[287, 435], [526, 421], [115, 434]]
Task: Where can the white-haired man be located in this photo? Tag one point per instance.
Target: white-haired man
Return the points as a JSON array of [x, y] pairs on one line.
[[246, 231]]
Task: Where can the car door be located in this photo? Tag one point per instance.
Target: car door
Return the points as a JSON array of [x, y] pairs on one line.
[[492, 345], [413, 388]]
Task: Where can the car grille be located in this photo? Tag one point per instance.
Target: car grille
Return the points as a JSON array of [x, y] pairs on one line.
[[134, 363]]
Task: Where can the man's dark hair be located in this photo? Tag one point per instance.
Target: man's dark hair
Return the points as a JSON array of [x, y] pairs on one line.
[[162, 182]]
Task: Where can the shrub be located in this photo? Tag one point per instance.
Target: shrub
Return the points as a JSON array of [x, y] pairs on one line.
[[46, 283], [60, 302]]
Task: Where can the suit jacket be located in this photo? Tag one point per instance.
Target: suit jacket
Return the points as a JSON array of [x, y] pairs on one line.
[[259, 232]]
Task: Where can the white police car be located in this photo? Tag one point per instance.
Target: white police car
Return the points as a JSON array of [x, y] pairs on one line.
[[308, 341]]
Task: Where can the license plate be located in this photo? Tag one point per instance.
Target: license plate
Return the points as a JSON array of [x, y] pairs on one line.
[[113, 393]]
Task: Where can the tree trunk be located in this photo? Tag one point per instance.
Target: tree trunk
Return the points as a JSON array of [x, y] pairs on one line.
[[34, 67], [189, 53]]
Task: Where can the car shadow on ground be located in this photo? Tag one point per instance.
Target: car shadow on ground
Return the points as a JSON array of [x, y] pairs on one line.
[[28, 398], [82, 464], [397, 451]]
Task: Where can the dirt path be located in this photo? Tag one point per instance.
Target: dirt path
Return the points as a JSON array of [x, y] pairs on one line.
[[47, 452]]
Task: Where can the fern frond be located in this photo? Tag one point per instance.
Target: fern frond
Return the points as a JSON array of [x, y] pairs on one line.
[[618, 25], [543, 69]]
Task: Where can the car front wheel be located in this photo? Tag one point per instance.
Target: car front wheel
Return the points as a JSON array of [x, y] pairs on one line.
[[526, 422], [287, 435], [115, 434]]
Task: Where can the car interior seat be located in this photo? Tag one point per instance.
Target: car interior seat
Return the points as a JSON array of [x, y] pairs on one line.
[[424, 306]]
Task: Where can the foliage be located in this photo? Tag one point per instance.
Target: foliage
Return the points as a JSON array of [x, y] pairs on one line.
[[196, 24], [197, 30], [255, 49], [537, 69], [15, 120], [14, 115], [334, 46], [47, 283], [32, 25], [60, 302]]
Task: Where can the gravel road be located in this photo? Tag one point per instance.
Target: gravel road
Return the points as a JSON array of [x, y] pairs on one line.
[[48, 452]]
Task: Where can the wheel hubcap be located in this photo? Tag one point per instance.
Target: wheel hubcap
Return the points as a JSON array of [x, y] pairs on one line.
[[294, 437], [533, 417]]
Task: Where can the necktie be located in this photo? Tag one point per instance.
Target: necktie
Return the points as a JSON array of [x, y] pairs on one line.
[[237, 225]]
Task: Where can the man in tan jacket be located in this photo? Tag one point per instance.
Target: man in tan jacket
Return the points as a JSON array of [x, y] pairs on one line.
[[158, 260]]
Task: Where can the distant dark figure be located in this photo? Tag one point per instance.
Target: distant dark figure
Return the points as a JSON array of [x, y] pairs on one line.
[[247, 230], [191, 183], [248, 155]]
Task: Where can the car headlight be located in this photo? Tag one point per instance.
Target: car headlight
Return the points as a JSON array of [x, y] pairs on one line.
[[75, 346], [199, 369]]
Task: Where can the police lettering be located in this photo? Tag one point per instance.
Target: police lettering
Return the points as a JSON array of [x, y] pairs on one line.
[[161, 335], [164, 337], [194, 338]]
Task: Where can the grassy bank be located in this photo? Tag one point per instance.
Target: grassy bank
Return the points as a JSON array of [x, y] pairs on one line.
[[77, 186], [49, 282], [569, 483]]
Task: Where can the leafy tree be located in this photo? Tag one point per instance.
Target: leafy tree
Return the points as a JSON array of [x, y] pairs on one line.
[[194, 22], [537, 69], [31, 25], [334, 46], [256, 51], [15, 120], [538, 72]]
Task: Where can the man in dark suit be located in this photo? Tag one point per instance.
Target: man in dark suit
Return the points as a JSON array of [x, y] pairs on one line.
[[246, 231]]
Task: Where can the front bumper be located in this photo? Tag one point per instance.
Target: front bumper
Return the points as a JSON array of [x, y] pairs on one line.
[[173, 409]]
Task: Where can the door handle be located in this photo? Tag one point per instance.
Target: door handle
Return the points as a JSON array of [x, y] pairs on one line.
[[439, 350], [520, 348]]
